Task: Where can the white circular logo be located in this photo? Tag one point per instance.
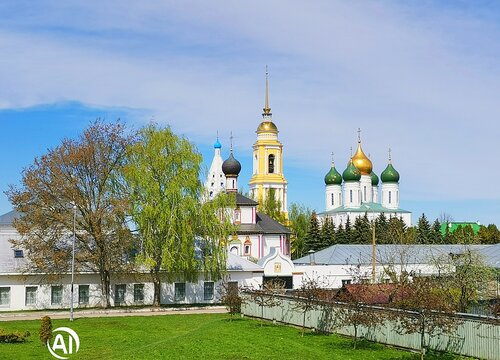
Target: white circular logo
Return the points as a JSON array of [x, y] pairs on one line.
[[64, 344]]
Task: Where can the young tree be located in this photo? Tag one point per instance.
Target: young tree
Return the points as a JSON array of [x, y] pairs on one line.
[[230, 296], [76, 181], [306, 298], [181, 235], [267, 296], [299, 217], [431, 306]]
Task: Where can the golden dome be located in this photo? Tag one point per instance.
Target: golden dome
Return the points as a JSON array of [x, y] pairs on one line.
[[267, 126], [361, 161]]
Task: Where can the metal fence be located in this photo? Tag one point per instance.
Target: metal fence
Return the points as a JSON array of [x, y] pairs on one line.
[[476, 336]]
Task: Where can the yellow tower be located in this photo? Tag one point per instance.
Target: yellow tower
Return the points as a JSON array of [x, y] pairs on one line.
[[268, 176]]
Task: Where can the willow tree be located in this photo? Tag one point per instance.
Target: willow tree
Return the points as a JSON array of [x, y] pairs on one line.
[[76, 182], [182, 235]]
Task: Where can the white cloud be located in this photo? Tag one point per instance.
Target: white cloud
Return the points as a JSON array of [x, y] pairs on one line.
[[422, 80]]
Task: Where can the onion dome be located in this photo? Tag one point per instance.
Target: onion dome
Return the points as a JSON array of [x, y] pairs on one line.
[[375, 179], [267, 126], [333, 177], [217, 144], [231, 166], [390, 175], [351, 173], [361, 161]]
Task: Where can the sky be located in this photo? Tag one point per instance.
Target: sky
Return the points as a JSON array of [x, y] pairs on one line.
[[421, 78]]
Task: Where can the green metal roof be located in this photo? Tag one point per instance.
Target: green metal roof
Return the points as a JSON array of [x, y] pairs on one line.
[[453, 226], [365, 208]]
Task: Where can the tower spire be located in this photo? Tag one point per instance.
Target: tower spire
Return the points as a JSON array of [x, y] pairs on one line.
[[231, 142], [359, 135], [267, 109], [333, 161], [390, 157]]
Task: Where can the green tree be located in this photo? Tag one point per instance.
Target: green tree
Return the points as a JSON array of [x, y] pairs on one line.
[[398, 231], [436, 236], [77, 180], [181, 235], [464, 235], [381, 230], [327, 233], [489, 234], [348, 233], [424, 235], [362, 233], [313, 237], [272, 207], [299, 217]]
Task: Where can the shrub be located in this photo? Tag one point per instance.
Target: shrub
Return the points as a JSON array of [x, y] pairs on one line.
[[46, 329], [13, 337]]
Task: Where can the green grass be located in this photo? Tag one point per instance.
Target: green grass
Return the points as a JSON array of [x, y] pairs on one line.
[[206, 336]]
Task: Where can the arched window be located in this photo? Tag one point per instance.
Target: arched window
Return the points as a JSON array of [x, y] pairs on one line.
[[389, 197], [364, 197], [350, 195], [333, 197], [270, 166], [234, 250]]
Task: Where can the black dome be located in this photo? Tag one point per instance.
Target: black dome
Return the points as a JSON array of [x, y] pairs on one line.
[[231, 166]]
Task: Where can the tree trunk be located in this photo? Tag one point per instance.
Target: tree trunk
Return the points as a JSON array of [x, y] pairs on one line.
[[422, 339], [106, 288], [304, 323], [157, 287], [355, 335]]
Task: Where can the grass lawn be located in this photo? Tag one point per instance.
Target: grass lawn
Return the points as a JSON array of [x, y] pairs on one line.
[[206, 336]]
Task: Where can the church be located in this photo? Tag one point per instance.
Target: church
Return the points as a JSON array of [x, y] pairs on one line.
[[257, 233], [355, 193]]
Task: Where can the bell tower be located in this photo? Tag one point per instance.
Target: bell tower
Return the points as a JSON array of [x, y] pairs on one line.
[[268, 179]]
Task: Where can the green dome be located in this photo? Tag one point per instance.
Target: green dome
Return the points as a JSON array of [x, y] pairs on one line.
[[389, 174], [333, 177], [351, 173], [374, 179]]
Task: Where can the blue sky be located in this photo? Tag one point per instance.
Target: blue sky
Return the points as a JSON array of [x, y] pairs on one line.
[[420, 77]]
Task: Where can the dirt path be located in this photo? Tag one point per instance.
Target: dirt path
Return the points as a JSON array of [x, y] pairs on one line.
[[5, 316]]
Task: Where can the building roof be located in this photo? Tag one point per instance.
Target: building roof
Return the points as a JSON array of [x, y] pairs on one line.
[[8, 218], [454, 225], [265, 225], [342, 254], [242, 200], [238, 263], [365, 208]]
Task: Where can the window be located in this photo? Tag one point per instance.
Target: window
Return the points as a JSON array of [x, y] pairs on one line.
[[247, 248], [389, 197], [340, 199], [56, 295], [30, 295], [179, 291], [364, 190], [271, 164], [234, 250], [208, 290], [83, 294], [18, 254], [120, 294], [237, 216], [233, 184], [139, 293], [333, 201], [350, 195], [4, 296], [346, 282]]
